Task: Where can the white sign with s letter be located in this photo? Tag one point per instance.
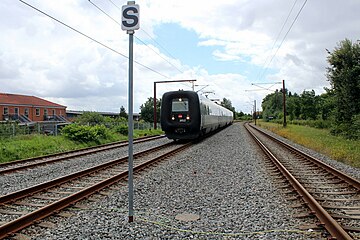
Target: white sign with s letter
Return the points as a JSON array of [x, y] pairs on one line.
[[130, 17]]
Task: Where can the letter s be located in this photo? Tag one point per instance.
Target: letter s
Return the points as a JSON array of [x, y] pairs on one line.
[[132, 17]]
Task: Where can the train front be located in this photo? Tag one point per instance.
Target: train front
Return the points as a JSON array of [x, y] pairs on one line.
[[180, 115]]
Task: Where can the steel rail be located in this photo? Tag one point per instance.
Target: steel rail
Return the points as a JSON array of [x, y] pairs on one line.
[[11, 197], [65, 155], [331, 225], [48, 210], [348, 179]]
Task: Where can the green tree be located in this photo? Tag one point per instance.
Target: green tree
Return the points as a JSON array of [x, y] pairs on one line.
[[293, 108], [344, 77], [272, 105], [90, 118], [327, 104], [308, 105], [123, 113], [147, 110], [226, 103]]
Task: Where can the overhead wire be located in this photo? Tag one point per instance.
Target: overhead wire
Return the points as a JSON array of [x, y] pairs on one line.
[[92, 39], [108, 15], [277, 38], [156, 42], [292, 24]]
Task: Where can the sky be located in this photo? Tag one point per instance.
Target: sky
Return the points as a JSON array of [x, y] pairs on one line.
[[240, 50]]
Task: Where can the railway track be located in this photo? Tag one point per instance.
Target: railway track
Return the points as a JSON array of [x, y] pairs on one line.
[[330, 195], [22, 208], [24, 164]]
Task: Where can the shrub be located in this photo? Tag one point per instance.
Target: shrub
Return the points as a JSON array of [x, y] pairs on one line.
[[81, 133], [348, 130], [122, 129]]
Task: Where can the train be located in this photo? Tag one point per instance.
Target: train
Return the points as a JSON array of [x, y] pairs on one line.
[[187, 115]]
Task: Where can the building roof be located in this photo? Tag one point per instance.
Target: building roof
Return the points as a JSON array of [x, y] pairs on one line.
[[24, 100], [76, 112]]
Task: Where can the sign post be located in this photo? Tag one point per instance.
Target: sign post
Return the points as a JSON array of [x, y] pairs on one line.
[[130, 23]]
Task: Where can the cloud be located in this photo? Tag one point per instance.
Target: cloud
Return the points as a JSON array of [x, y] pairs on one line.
[[39, 56]]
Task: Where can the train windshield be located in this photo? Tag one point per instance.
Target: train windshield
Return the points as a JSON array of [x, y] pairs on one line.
[[180, 105]]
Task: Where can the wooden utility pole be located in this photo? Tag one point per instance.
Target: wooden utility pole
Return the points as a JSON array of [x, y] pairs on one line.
[[255, 111], [284, 103]]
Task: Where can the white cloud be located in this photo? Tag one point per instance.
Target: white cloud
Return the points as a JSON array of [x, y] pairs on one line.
[[39, 56]]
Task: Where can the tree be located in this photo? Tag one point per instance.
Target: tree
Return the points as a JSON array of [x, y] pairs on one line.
[[327, 104], [147, 110], [293, 108], [226, 103], [123, 113], [272, 105], [308, 105], [344, 77], [90, 118]]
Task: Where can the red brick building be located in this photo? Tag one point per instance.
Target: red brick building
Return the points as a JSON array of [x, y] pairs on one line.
[[29, 109]]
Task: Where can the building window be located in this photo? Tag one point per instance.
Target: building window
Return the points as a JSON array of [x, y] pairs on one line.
[[6, 110], [26, 112], [53, 112], [16, 111], [45, 112], [37, 111]]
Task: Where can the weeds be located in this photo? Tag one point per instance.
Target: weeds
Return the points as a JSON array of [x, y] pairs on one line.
[[320, 140]]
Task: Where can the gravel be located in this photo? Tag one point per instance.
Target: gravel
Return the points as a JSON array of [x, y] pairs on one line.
[[354, 172], [222, 182], [23, 179]]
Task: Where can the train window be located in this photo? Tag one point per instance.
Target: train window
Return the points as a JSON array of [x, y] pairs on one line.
[[180, 105]]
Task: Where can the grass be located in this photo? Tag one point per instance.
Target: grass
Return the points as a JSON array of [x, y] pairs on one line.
[[27, 146], [320, 140]]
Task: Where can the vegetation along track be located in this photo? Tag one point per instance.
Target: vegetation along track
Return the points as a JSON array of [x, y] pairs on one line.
[[18, 165], [22, 208], [332, 196]]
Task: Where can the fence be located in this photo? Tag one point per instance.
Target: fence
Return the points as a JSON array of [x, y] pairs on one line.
[[13, 129]]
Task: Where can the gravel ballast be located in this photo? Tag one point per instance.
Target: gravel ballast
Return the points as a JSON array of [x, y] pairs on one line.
[[26, 178], [221, 183]]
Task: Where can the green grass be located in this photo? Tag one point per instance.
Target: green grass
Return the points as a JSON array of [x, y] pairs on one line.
[[27, 146], [320, 140]]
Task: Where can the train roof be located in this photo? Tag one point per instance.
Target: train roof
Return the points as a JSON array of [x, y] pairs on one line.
[[200, 96]]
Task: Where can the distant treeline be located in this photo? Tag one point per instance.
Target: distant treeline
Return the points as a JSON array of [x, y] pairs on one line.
[[338, 108]]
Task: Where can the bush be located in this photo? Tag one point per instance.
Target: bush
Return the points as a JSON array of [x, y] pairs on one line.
[[91, 118], [81, 133], [348, 130], [122, 129]]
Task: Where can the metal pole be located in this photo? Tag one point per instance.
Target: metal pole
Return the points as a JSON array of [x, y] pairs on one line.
[[172, 81], [155, 105], [255, 110], [130, 128], [284, 103]]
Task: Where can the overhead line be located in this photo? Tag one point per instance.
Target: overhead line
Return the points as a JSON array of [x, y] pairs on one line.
[[292, 24], [98, 42], [156, 42], [104, 12], [277, 37], [158, 54], [135, 36]]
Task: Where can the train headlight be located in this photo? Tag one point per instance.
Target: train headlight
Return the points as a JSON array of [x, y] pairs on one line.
[[173, 118], [187, 117]]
